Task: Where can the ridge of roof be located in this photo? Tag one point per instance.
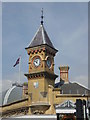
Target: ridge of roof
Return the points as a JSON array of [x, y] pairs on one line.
[[78, 84], [81, 85]]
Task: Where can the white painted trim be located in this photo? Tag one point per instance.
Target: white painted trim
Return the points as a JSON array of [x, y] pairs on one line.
[[65, 110], [7, 95], [73, 104], [80, 84], [37, 116]]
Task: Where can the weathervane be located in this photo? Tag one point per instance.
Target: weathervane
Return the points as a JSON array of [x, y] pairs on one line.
[[42, 17]]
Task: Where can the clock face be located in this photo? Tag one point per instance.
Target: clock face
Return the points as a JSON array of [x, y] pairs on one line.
[[36, 62], [48, 62]]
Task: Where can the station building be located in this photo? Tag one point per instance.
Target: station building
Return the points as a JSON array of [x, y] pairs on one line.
[[41, 96]]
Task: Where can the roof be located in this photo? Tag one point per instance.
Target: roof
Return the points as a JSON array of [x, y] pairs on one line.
[[11, 95], [73, 88], [40, 38]]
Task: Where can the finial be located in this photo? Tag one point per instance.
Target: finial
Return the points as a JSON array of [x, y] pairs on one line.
[[42, 17]]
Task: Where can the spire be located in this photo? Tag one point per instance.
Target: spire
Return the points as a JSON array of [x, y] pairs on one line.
[[41, 37], [42, 16]]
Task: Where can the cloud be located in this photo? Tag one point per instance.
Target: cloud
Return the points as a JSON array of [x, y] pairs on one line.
[[15, 77], [11, 78], [6, 84], [81, 79], [75, 40], [77, 33]]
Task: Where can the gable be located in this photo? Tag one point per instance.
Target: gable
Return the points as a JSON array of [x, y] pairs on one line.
[[66, 104]]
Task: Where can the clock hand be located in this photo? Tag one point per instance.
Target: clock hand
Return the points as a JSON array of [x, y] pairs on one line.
[[35, 61]]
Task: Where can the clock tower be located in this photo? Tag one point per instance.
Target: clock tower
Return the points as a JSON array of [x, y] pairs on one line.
[[41, 65]]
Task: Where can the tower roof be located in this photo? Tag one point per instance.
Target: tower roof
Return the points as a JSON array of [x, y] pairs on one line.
[[40, 38]]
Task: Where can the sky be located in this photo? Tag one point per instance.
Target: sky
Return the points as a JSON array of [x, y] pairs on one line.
[[67, 26]]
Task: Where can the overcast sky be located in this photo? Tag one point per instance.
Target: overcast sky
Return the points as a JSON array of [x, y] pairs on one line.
[[67, 27]]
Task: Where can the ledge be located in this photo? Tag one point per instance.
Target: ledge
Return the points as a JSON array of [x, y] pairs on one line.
[[72, 95], [15, 102]]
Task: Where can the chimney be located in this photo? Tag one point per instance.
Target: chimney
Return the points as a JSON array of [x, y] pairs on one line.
[[64, 73]]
